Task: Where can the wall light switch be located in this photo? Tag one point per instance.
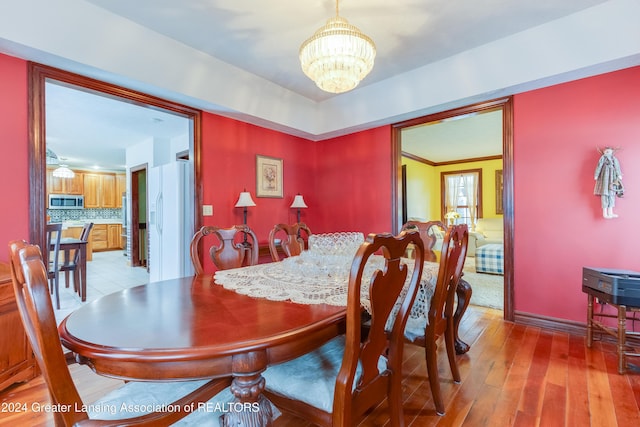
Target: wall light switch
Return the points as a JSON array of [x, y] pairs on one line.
[[207, 210]]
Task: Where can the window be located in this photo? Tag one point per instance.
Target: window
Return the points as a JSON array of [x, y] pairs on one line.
[[461, 195]]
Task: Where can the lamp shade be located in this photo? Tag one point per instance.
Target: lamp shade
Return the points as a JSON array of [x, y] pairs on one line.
[[245, 200], [63, 172], [298, 202]]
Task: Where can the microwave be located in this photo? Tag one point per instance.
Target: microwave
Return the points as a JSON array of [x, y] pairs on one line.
[[65, 201]]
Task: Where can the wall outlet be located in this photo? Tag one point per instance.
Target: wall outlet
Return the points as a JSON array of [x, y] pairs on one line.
[[207, 210]]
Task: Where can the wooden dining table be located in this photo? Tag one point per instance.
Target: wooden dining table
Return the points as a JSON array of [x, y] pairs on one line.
[[191, 328]]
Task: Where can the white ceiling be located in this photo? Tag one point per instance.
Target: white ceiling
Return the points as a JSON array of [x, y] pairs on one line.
[[263, 38], [86, 130], [460, 137], [238, 58]]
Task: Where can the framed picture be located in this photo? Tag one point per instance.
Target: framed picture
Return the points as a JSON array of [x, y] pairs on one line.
[[268, 177], [499, 188]]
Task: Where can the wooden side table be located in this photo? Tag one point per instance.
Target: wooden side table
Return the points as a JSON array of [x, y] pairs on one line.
[[17, 362], [619, 332]]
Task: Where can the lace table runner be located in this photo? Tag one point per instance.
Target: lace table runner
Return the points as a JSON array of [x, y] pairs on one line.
[[317, 279]]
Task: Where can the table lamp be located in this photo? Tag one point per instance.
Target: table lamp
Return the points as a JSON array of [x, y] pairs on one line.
[[452, 216], [298, 203], [245, 201]]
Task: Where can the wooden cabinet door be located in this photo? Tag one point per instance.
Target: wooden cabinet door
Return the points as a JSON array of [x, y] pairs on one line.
[[74, 185], [108, 191], [91, 190], [121, 187], [114, 240], [54, 185]]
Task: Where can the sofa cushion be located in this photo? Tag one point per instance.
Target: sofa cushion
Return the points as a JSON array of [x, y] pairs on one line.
[[490, 228]]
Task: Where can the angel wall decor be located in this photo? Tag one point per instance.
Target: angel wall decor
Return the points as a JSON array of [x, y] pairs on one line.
[[608, 177]]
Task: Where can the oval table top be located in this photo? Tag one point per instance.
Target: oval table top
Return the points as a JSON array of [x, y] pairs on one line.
[[190, 328]]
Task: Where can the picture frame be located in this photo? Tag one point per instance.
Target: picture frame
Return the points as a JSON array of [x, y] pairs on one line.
[[269, 176], [499, 188]]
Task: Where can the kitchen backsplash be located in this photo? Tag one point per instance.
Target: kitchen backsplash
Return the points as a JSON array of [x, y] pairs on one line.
[[59, 215]]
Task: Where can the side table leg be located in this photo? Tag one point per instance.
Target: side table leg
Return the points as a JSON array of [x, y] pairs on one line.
[[622, 335], [463, 291], [589, 320]]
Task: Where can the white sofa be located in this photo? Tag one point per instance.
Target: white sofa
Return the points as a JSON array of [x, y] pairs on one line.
[[488, 231]]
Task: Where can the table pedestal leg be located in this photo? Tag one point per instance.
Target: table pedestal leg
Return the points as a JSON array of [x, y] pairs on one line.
[[250, 408], [463, 291]]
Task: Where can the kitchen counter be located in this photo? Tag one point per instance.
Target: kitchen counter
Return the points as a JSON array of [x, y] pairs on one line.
[[106, 234], [76, 223]]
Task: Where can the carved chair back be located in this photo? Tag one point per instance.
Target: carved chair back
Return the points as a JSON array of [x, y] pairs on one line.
[[291, 241], [390, 301], [231, 249], [440, 315], [29, 278], [36, 310], [427, 231]]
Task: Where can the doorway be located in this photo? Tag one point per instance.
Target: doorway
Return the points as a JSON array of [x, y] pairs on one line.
[[402, 209], [39, 75]]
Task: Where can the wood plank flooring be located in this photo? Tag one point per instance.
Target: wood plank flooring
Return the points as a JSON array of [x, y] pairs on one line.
[[513, 375]]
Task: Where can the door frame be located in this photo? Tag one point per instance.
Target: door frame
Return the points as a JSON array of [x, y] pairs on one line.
[[506, 105], [38, 75], [135, 213]]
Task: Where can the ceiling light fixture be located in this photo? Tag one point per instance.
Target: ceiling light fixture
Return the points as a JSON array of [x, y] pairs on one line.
[[63, 171], [338, 56], [52, 158]]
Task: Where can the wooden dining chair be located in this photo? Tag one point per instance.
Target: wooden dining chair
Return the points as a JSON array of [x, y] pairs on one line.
[[29, 277], [440, 317], [428, 232], [291, 241], [54, 232], [233, 247], [70, 264], [337, 383]]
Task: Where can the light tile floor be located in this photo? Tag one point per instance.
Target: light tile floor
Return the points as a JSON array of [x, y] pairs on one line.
[[108, 272]]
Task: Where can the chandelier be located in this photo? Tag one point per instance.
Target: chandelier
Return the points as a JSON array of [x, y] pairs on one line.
[[338, 56]]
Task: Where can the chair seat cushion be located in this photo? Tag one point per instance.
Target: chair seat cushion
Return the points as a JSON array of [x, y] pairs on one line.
[[139, 398], [311, 378], [415, 328]]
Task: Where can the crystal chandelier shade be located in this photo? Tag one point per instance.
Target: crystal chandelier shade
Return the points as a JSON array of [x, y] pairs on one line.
[[338, 56]]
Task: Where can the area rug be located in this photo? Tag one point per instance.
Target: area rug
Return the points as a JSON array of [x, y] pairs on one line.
[[488, 289]]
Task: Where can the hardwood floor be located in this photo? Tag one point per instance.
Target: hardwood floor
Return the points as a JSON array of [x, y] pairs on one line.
[[513, 376]]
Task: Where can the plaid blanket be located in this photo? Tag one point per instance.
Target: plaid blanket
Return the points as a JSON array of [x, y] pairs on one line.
[[490, 259]]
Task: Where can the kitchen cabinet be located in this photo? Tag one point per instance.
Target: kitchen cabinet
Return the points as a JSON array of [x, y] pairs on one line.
[[57, 185], [99, 237], [100, 190], [106, 237], [16, 358]]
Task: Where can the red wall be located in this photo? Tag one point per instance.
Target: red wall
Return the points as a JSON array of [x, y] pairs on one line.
[[353, 186], [14, 172], [229, 149], [346, 181], [558, 221]]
